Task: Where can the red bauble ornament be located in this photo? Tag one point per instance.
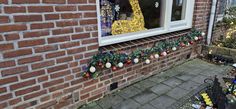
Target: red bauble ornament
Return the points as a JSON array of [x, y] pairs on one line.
[[86, 75], [191, 42], [182, 44], [200, 37], [128, 61], [100, 64], [114, 68]]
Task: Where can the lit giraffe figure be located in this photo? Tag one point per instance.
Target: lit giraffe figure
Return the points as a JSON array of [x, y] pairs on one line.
[[135, 24]]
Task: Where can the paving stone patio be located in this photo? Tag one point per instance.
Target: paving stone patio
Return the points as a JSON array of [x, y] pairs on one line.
[[162, 90]]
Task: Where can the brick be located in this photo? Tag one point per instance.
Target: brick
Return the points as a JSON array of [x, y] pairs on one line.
[[84, 96], [4, 19], [52, 83], [15, 9], [60, 74], [99, 91], [35, 34], [27, 18], [23, 106], [47, 104], [90, 14], [90, 82], [89, 41], [92, 1], [87, 7], [10, 37], [4, 104], [46, 98], [54, 1], [58, 39], [25, 1], [43, 78], [67, 23], [88, 22], [62, 31], [43, 64], [79, 56], [6, 46], [93, 47], [90, 54], [88, 89], [42, 25], [80, 36], [79, 29], [64, 59], [76, 50], [32, 74], [39, 9], [51, 16], [27, 90], [1, 38], [73, 64], [55, 54], [30, 59], [72, 89], [22, 84], [46, 48], [65, 8], [3, 89], [5, 97], [70, 44], [5, 64], [35, 94], [13, 27], [8, 80], [13, 71], [29, 43], [84, 61], [57, 68], [77, 1], [94, 97], [15, 101], [3, 2], [58, 87], [71, 15], [17, 53]]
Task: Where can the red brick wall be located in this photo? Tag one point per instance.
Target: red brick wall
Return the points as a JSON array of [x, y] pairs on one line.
[[44, 45]]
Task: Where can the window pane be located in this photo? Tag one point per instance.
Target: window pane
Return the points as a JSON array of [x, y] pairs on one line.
[[126, 16], [178, 8]]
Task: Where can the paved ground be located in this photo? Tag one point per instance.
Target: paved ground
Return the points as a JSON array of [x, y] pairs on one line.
[[162, 90]]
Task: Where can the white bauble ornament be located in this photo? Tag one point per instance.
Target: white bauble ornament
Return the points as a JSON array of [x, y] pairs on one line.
[[120, 64], [136, 60], [188, 44], [147, 61], [203, 33], [174, 48], [92, 69], [196, 38], [108, 65], [163, 53], [156, 56], [151, 56]]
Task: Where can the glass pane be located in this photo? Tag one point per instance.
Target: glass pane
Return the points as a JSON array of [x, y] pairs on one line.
[[126, 16], [177, 10]]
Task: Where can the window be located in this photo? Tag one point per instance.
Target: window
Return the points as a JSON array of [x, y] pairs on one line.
[[124, 20], [232, 2]]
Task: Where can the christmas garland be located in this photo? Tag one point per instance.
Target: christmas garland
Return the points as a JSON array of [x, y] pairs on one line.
[[115, 61]]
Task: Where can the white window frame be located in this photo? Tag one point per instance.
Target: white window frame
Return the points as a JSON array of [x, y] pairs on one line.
[[168, 25]]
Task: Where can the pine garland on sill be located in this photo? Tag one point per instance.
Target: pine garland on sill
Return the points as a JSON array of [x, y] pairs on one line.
[[114, 61]]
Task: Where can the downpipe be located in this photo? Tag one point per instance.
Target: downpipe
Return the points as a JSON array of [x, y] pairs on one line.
[[211, 22]]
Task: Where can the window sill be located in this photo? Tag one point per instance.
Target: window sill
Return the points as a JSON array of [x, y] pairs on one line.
[[144, 42]]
